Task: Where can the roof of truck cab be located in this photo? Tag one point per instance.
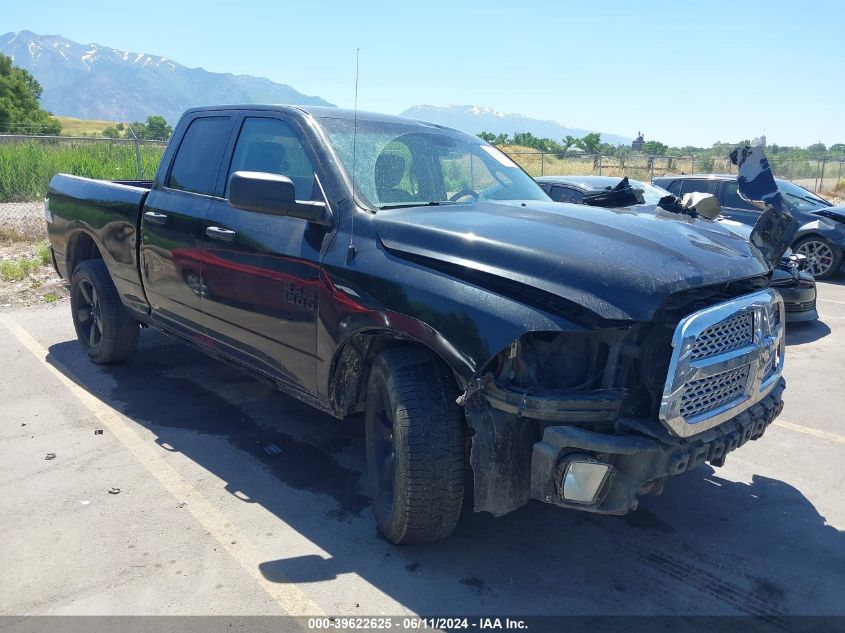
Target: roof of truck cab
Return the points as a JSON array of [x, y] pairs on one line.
[[318, 112]]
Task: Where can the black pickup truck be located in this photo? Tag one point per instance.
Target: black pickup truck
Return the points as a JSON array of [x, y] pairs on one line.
[[501, 346]]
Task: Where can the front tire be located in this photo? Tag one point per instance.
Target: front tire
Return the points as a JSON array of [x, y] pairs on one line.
[[105, 329], [415, 442], [824, 259]]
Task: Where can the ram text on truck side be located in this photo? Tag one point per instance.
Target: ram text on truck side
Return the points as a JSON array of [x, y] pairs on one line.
[[415, 274]]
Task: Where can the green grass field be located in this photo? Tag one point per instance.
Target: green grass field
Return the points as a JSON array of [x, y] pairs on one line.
[[26, 168]]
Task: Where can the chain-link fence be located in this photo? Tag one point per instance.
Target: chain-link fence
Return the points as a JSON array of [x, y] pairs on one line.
[[633, 165], [27, 163], [815, 174]]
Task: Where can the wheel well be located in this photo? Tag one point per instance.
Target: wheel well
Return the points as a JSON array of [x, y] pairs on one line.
[[351, 367], [815, 236], [81, 248]]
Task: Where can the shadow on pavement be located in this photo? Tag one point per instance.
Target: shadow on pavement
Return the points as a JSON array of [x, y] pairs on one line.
[[808, 332], [707, 545]]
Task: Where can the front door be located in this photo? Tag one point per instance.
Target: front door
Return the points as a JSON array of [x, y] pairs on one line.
[[261, 270], [173, 222]]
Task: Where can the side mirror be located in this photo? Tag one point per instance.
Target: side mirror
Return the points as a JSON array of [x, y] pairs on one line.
[[275, 195]]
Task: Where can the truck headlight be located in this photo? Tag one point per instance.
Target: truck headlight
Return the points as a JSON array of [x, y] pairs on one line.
[[583, 479]]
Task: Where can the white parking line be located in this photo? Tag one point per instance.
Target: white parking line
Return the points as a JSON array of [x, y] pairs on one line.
[[841, 303], [830, 437], [292, 599]]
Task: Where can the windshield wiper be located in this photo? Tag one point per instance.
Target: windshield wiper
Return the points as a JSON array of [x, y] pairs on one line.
[[403, 205]]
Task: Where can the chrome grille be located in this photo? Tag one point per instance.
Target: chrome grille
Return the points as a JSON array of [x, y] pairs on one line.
[[727, 336], [706, 394], [724, 359]]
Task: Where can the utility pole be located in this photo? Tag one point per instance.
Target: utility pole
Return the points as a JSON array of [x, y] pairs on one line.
[[137, 151]]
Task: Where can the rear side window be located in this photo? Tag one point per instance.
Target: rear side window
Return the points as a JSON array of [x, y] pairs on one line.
[[566, 194], [692, 185], [198, 157], [674, 187]]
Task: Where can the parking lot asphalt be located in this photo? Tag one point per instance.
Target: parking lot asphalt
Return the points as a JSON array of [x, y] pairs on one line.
[[180, 486]]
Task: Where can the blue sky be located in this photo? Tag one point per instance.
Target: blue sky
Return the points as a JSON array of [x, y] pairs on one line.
[[682, 72]]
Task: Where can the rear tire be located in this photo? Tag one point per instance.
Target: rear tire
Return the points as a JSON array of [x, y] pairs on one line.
[[105, 329], [415, 442]]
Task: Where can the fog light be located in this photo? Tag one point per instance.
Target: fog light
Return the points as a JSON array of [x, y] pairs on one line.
[[583, 480]]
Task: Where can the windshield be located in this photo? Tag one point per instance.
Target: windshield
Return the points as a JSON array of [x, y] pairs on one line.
[[408, 164], [800, 197]]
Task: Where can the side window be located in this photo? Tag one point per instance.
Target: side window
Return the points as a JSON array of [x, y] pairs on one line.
[[701, 185], [273, 147], [674, 187], [198, 158], [732, 199], [566, 194]]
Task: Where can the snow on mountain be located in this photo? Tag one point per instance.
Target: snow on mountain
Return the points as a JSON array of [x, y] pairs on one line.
[[91, 81]]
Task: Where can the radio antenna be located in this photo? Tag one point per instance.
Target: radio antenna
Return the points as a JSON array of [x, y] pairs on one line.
[[350, 250]]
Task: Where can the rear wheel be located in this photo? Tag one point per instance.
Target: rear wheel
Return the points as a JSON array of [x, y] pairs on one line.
[[107, 332], [823, 259], [415, 446]]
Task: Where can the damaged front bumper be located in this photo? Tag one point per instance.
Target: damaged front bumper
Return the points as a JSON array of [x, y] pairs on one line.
[[637, 464]]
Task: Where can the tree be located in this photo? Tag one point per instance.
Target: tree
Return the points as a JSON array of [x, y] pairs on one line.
[[136, 129], [157, 128], [817, 148], [654, 148], [19, 102], [487, 136], [590, 142]]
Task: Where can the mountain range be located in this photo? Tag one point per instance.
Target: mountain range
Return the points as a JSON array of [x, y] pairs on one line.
[[475, 119], [90, 81]]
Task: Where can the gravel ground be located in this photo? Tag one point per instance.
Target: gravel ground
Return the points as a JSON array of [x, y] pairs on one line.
[[22, 228], [22, 222]]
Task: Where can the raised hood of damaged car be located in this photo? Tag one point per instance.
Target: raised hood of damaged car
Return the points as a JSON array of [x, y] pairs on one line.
[[620, 264]]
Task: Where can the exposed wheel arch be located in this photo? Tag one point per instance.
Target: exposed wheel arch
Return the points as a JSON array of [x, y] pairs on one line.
[[352, 362], [81, 247]]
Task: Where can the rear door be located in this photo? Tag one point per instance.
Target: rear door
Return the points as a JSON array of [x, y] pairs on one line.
[[173, 223], [261, 270]]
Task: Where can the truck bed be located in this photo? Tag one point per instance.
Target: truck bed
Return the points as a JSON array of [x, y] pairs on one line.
[[107, 212]]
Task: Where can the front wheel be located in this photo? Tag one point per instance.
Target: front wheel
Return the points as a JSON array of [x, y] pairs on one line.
[[415, 446], [107, 332], [823, 259]]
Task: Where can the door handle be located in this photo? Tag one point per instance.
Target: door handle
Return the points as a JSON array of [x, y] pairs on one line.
[[155, 218], [216, 233]]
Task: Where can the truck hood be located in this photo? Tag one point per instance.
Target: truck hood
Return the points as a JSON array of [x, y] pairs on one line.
[[617, 263]]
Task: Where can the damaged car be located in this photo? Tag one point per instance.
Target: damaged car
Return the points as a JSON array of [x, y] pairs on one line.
[[821, 232], [790, 277], [413, 278]]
